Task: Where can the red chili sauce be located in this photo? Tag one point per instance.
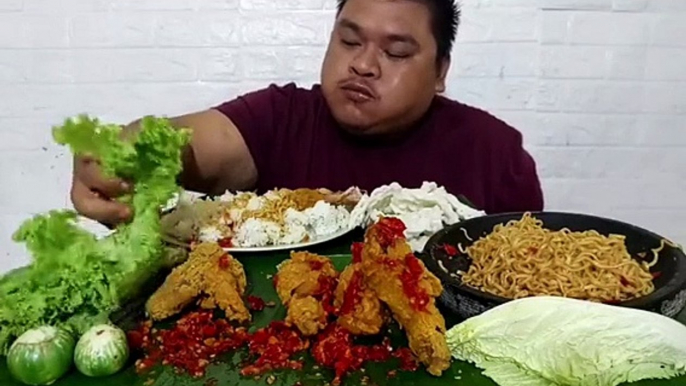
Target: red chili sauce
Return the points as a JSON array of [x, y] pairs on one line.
[[274, 346], [390, 229], [334, 348], [225, 242], [356, 250], [255, 303], [352, 294], [410, 278], [189, 346]]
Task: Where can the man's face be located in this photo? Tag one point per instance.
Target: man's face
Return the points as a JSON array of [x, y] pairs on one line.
[[379, 73]]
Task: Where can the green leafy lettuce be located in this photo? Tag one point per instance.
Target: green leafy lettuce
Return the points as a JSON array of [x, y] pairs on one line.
[[554, 341], [76, 280]]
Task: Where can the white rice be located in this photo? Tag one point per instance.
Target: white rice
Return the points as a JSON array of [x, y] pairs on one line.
[[210, 234], [295, 218], [319, 221], [293, 234], [324, 219], [255, 203], [226, 197], [257, 233]]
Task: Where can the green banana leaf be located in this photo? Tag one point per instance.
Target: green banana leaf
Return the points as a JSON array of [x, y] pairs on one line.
[[226, 371]]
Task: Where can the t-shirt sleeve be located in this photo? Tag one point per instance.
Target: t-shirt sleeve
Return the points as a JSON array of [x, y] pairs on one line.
[[258, 115], [520, 182]]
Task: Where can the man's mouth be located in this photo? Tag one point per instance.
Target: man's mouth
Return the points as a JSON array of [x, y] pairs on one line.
[[357, 92]]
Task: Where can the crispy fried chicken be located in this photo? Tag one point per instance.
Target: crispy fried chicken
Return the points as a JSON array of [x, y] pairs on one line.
[[211, 276], [402, 282], [360, 310], [305, 285]]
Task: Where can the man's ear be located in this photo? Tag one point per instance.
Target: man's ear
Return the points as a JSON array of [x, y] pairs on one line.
[[443, 66]]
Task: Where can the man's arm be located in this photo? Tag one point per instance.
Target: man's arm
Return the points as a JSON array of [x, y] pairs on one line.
[[218, 157]]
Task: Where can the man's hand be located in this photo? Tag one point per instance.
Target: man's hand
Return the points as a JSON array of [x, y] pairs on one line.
[[218, 159], [94, 196]]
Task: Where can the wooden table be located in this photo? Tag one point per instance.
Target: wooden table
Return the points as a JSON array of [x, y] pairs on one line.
[[258, 267]]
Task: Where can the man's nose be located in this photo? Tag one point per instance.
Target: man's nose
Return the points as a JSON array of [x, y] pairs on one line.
[[366, 64]]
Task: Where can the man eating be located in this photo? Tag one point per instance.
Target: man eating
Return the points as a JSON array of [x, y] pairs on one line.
[[376, 117]]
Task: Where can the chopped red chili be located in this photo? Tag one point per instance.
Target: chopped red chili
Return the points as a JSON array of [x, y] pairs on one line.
[[410, 278], [390, 263], [195, 340], [334, 348], [449, 250], [325, 293], [189, 345], [274, 346], [352, 294], [408, 362], [356, 250], [390, 229], [224, 261], [225, 242], [316, 265], [255, 303], [137, 338], [656, 275]]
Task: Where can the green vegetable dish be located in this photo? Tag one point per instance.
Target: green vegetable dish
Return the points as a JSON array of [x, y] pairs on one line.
[[76, 281]]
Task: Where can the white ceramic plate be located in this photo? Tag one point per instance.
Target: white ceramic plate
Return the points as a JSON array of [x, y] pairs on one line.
[[275, 248], [270, 248]]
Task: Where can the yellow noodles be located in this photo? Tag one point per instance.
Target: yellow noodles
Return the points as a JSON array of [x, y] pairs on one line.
[[276, 203], [521, 259]]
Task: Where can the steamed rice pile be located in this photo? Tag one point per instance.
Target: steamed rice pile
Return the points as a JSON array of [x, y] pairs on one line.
[[280, 217]]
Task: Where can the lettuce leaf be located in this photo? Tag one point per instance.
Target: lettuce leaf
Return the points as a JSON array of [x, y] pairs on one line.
[[551, 341], [75, 280]]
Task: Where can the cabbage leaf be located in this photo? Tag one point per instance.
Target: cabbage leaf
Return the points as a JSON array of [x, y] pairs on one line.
[[550, 341]]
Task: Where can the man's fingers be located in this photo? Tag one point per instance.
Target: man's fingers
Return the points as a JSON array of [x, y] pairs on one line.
[[92, 177], [97, 208]]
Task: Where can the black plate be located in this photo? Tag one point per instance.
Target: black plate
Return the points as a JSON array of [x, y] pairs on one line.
[[669, 297]]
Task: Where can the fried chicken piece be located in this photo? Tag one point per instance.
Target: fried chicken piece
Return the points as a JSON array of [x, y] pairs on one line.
[[305, 285], [210, 275], [404, 284], [360, 311], [307, 314]]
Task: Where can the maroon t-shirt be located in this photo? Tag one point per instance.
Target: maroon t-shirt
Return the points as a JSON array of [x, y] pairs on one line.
[[296, 143]]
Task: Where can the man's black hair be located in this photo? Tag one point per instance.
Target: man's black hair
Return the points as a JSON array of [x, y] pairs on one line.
[[445, 18]]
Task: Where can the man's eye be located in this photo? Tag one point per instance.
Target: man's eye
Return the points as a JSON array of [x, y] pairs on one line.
[[350, 43], [397, 55]]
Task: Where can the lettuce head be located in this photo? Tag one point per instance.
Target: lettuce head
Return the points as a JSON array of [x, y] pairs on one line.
[[74, 279]]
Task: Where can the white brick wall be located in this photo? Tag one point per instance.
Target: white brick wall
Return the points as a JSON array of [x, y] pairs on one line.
[[597, 86]]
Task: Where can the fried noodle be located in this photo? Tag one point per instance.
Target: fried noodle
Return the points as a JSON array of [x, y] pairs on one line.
[[277, 204], [521, 258]]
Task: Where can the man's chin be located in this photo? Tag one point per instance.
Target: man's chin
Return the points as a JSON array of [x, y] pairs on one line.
[[357, 129], [354, 124]]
